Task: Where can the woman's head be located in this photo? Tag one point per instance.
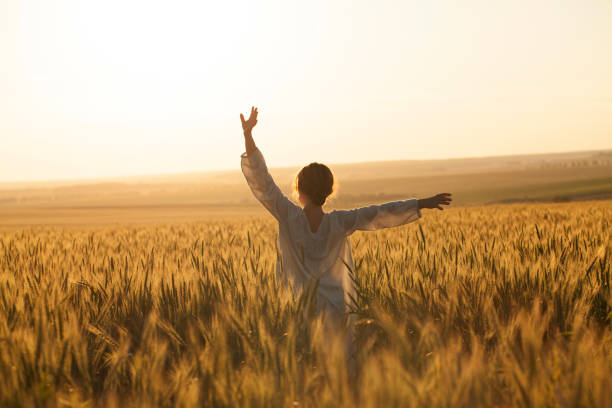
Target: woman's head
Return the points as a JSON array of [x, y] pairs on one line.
[[314, 184]]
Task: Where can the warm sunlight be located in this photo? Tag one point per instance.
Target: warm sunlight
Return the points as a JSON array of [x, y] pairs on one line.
[[322, 203], [92, 89]]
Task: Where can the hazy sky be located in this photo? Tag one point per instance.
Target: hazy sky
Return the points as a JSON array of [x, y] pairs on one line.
[[120, 87]]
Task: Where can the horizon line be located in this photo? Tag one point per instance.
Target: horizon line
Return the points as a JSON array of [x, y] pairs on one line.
[[76, 180]]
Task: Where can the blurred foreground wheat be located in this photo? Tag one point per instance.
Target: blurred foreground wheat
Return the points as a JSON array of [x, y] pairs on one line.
[[484, 306]]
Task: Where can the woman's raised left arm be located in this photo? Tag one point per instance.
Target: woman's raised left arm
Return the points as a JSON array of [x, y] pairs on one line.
[[257, 175]]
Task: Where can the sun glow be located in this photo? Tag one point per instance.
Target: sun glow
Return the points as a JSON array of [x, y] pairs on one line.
[[122, 87], [117, 61]]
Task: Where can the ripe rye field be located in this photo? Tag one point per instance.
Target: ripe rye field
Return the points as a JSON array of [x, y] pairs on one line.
[[501, 305]]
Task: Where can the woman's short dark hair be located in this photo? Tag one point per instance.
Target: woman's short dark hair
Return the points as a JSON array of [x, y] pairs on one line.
[[316, 181]]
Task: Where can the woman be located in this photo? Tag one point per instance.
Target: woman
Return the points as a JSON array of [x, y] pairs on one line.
[[314, 244]]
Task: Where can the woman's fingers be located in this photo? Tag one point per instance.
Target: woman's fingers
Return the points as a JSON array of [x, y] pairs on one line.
[[253, 115], [252, 121], [442, 199]]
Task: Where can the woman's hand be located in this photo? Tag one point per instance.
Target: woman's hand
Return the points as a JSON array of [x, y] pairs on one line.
[[248, 125], [436, 201]]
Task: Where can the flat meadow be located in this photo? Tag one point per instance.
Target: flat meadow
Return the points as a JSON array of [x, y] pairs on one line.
[[500, 305]]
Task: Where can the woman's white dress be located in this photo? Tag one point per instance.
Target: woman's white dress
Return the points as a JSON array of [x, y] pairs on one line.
[[325, 254]]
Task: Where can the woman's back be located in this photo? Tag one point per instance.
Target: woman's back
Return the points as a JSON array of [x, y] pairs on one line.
[[314, 246], [324, 254]]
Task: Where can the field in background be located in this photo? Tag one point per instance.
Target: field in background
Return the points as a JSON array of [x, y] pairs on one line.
[[179, 198], [503, 305]]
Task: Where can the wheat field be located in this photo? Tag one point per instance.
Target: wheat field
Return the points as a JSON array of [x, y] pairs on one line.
[[506, 306]]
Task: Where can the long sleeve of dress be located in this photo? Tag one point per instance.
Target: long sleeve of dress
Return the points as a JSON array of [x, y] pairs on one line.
[[376, 217], [262, 185]]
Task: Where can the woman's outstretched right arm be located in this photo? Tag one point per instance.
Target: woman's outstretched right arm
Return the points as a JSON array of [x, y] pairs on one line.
[[256, 173], [389, 215]]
